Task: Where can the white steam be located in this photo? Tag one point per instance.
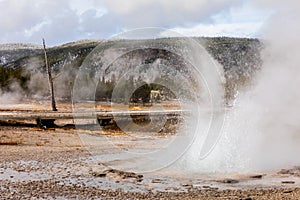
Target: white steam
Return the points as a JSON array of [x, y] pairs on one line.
[[262, 130], [13, 96]]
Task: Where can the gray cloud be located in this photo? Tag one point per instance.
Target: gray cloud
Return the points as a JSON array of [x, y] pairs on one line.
[[66, 20], [27, 21], [165, 13], [96, 27]]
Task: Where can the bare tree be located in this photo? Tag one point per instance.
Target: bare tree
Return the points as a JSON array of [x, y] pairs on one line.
[[50, 79]]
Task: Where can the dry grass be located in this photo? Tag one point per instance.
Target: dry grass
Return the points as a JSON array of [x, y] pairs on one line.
[[7, 140], [39, 144], [10, 143]]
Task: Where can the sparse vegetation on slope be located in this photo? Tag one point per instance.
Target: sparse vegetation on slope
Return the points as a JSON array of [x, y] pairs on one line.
[[25, 65]]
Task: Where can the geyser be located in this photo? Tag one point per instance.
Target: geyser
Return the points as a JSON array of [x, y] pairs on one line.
[[262, 129]]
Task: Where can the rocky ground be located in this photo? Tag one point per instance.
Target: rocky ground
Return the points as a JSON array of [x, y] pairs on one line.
[[52, 164]]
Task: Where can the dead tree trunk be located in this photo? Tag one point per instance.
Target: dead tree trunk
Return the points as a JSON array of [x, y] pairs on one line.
[[50, 80]]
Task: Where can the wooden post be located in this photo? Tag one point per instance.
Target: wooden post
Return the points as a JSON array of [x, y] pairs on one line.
[[50, 80]]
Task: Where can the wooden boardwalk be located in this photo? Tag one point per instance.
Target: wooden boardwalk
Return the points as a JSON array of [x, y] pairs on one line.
[[29, 115]]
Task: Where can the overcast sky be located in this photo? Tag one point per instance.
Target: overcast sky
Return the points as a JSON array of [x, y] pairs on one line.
[[61, 21]]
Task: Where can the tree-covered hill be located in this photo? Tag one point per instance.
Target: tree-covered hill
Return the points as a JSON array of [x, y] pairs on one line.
[[24, 65]]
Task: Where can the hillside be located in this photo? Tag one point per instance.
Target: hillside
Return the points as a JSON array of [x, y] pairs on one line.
[[12, 52], [23, 64]]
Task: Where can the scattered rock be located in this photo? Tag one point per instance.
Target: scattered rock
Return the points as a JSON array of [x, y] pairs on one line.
[[186, 185], [256, 176], [285, 171], [231, 181], [157, 180], [288, 182], [119, 175], [99, 174]]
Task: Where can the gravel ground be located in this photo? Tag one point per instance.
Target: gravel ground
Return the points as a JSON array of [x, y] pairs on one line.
[[52, 164], [51, 189]]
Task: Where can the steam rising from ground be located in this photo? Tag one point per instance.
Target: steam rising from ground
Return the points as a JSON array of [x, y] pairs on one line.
[[262, 130], [37, 87], [14, 96]]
